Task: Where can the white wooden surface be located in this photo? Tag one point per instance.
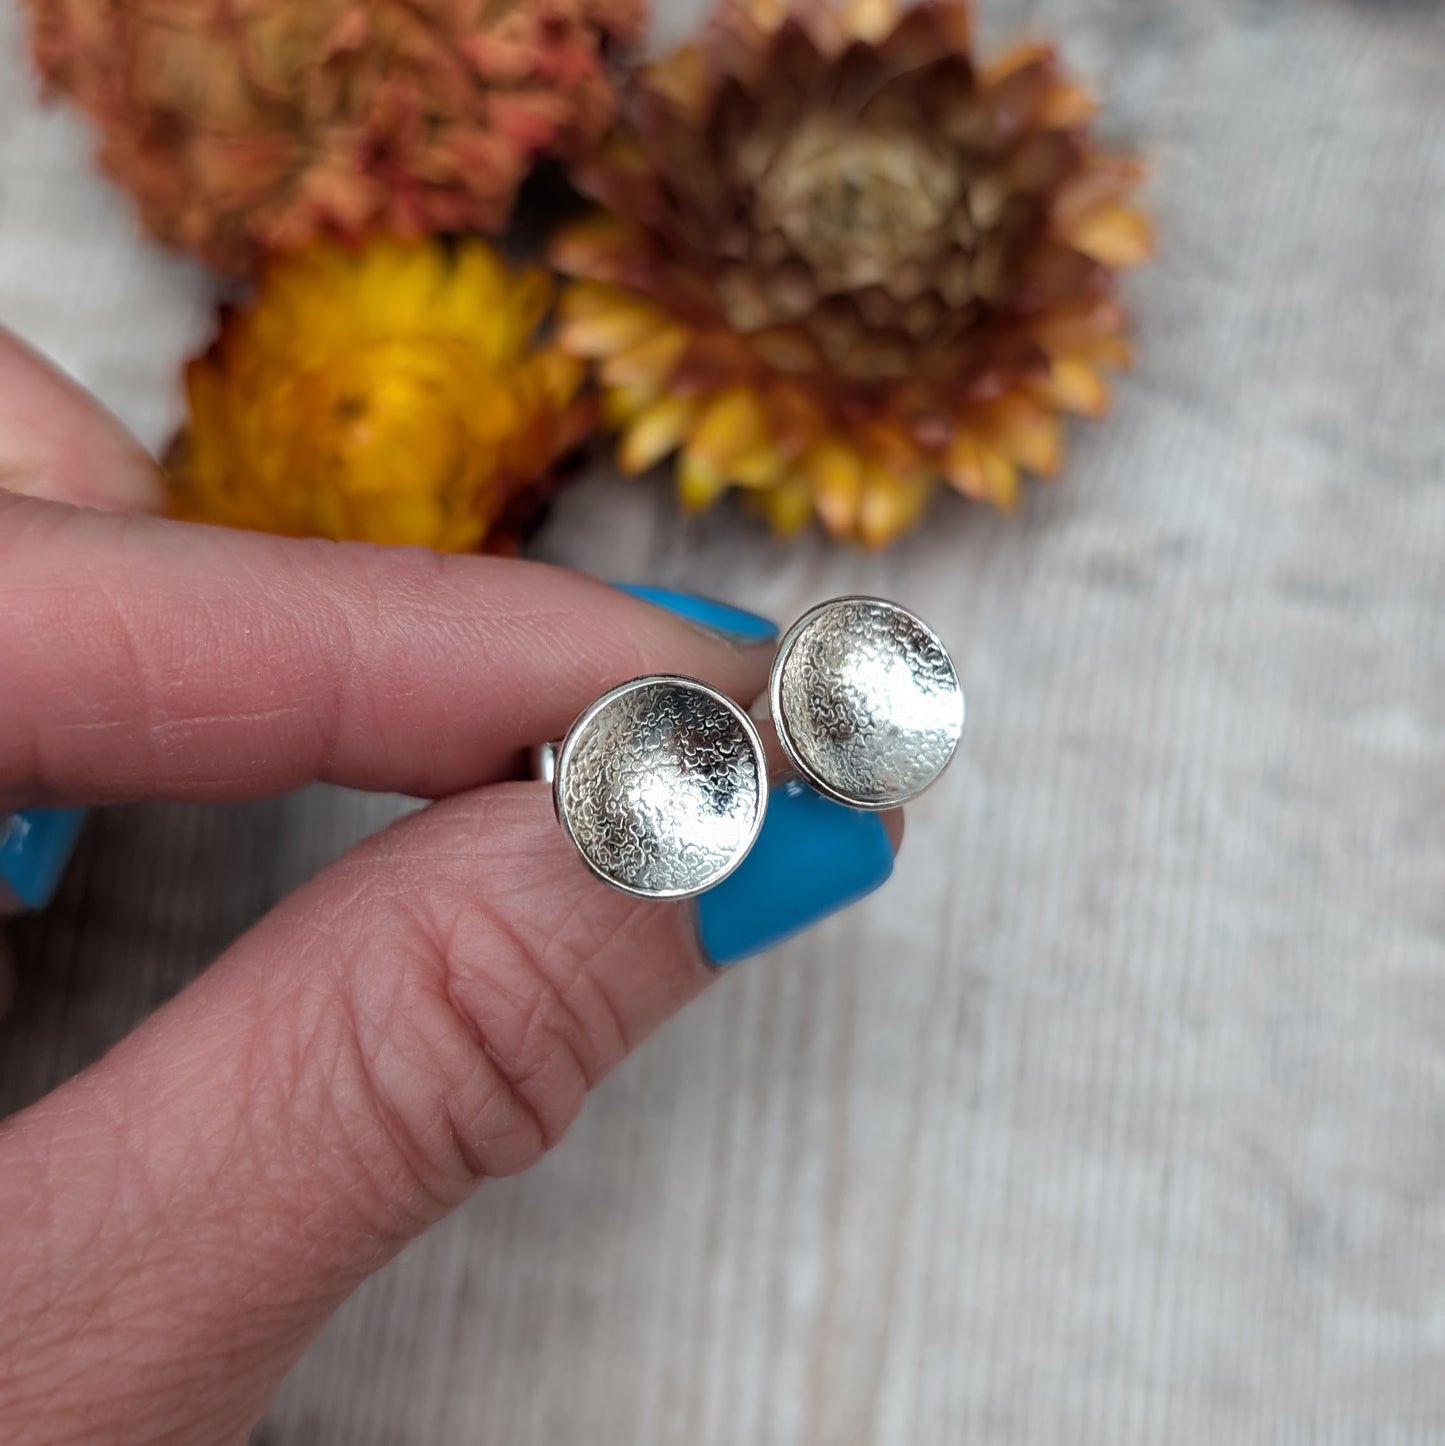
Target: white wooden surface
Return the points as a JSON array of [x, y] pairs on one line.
[[1120, 1115]]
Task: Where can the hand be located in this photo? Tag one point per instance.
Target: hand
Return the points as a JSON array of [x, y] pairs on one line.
[[431, 1010]]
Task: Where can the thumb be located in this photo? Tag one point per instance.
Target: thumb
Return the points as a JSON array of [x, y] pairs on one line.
[[428, 1012]]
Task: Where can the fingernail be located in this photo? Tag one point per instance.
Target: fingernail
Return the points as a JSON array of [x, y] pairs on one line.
[[812, 858], [35, 846], [731, 622]]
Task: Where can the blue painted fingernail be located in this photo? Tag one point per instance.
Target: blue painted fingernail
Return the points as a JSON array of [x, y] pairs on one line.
[[35, 846], [732, 622], [812, 858]]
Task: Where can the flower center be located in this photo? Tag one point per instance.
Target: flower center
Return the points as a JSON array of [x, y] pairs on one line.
[[856, 201]]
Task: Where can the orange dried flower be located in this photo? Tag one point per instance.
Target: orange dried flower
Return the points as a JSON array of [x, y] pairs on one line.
[[250, 125], [843, 262]]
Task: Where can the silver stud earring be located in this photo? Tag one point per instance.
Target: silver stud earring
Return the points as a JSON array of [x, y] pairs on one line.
[[866, 702], [661, 784]]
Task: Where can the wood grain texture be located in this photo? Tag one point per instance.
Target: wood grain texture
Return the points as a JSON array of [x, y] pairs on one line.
[[1119, 1116]]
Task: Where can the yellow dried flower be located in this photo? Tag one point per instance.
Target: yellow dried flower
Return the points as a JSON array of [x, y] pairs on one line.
[[391, 394], [843, 262]]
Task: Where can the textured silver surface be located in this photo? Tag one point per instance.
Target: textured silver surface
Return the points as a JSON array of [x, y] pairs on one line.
[[661, 785], [866, 701]]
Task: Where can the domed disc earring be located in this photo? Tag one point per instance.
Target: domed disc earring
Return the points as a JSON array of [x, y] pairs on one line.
[[866, 701], [662, 785]]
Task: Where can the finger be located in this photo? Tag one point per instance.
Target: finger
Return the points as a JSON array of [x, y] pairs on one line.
[[428, 1012], [151, 658], [57, 442]]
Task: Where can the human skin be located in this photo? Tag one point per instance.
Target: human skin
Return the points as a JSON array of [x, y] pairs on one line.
[[430, 1011]]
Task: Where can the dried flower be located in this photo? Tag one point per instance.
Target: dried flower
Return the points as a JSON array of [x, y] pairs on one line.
[[842, 262], [243, 127], [388, 395]]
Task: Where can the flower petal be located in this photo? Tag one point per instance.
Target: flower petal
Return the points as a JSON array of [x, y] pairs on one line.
[[835, 472], [597, 246], [1025, 432], [730, 425], [759, 468], [699, 484], [655, 432], [621, 404], [1001, 480], [609, 331], [1068, 107], [963, 466], [788, 506], [651, 361], [890, 504], [869, 20], [1073, 386], [1118, 237]]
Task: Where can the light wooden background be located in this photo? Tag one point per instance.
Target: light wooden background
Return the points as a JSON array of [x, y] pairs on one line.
[[1120, 1115]]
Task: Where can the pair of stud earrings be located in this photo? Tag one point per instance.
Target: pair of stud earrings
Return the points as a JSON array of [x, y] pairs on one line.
[[662, 783]]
